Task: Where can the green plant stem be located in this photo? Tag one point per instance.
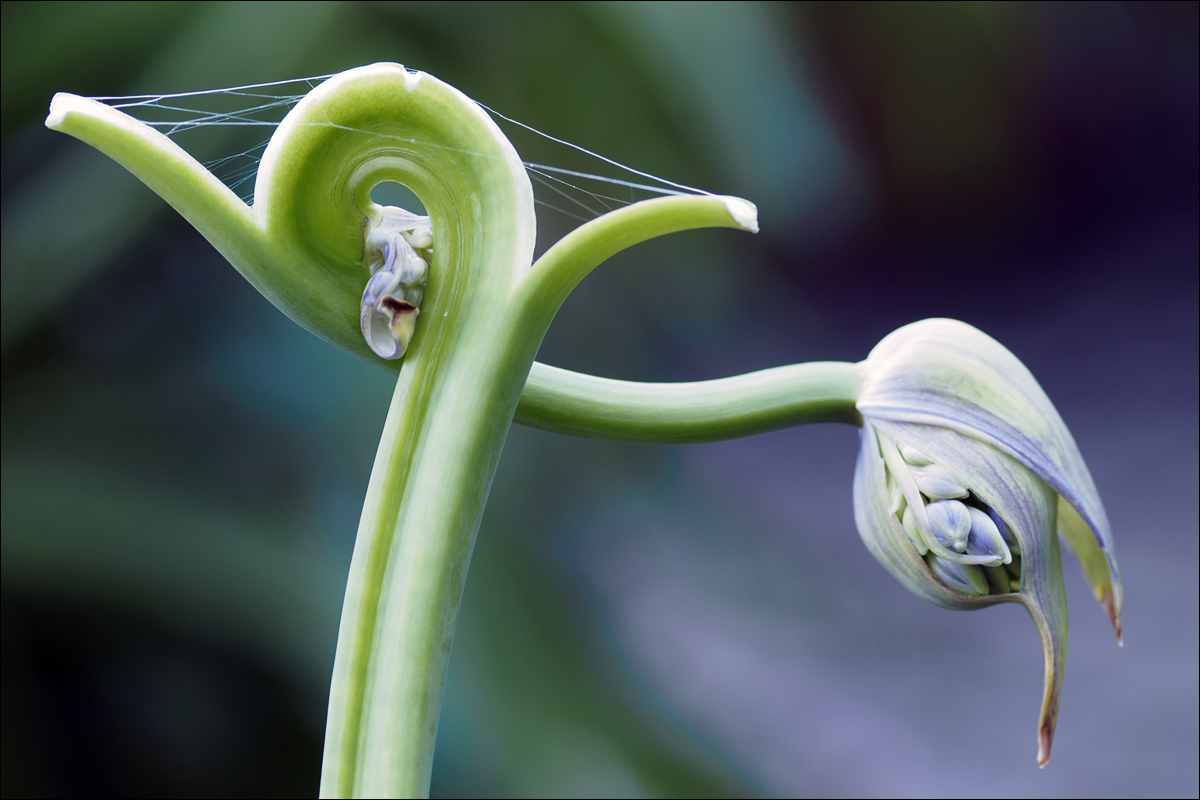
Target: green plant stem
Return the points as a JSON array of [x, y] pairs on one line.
[[485, 313], [436, 459], [563, 266], [689, 413], [437, 456], [453, 404]]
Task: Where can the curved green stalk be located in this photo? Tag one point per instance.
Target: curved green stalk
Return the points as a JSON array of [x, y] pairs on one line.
[[483, 317], [563, 266], [689, 413]]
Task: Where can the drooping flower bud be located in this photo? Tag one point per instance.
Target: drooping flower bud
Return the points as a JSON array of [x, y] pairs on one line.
[[965, 476]]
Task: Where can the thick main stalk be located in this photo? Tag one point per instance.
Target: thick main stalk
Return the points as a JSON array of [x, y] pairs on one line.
[[453, 405], [433, 470]]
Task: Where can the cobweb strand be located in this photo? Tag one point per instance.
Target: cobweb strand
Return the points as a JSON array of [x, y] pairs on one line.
[[252, 107]]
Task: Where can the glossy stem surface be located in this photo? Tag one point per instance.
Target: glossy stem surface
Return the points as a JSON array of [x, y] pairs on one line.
[[689, 413], [453, 405]]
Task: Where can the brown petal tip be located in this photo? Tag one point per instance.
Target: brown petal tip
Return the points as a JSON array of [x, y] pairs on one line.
[[1107, 601], [1045, 737]]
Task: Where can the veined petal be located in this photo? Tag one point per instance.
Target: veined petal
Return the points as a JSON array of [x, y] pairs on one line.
[[945, 373], [1028, 507]]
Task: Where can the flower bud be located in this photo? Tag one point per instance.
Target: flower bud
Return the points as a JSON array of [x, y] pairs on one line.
[[985, 538], [950, 523], [965, 476], [937, 484]]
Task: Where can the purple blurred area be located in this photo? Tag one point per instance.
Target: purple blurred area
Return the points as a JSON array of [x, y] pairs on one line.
[[183, 467], [1038, 181]]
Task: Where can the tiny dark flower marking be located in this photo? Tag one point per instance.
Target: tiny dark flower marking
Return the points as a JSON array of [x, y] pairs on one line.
[[392, 297], [396, 307]]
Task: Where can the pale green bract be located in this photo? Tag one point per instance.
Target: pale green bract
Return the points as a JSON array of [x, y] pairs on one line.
[[946, 396], [963, 458]]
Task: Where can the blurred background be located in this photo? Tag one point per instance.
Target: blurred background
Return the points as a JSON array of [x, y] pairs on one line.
[[183, 467]]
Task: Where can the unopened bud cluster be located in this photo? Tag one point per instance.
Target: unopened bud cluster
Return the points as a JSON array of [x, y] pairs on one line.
[[965, 543], [398, 250]]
